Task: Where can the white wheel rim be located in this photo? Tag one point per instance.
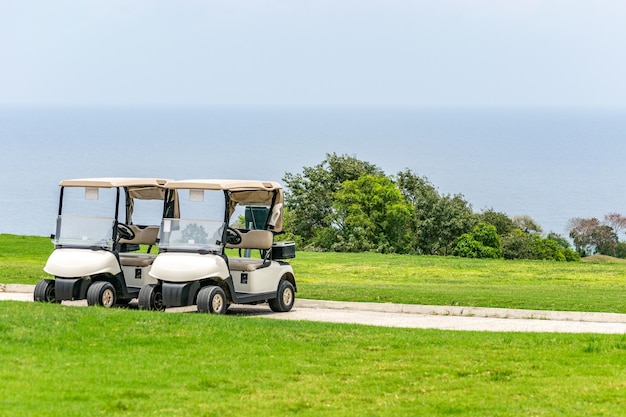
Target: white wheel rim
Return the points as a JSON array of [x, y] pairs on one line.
[[107, 297], [217, 302], [287, 297]]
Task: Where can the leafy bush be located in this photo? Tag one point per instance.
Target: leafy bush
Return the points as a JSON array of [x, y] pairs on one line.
[[517, 245], [522, 245], [482, 242]]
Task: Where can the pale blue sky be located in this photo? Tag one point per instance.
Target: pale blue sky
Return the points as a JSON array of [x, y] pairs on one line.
[[322, 53]]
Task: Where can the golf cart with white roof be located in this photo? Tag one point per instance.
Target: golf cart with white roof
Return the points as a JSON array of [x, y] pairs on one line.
[[96, 255], [200, 257]]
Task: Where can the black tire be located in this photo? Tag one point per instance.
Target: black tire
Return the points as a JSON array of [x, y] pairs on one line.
[[151, 298], [285, 297], [45, 292], [212, 300], [101, 293]]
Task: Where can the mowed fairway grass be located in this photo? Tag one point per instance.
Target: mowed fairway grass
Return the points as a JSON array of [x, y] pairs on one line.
[[542, 285], [60, 360]]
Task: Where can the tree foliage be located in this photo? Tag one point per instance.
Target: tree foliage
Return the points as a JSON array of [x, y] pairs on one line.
[[371, 214], [524, 245], [310, 196], [503, 223], [345, 204], [438, 220], [591, 237], [335, 206], [482, 242], [616, 221], [517, 245], [527, 224]]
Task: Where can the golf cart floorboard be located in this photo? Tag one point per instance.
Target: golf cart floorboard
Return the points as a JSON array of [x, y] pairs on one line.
[[244, 298]]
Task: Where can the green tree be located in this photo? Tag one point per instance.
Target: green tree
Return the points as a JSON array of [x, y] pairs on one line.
[[310, 195], [527, 224], [437, 220], [560, 240], [371, 214], [501, 221]]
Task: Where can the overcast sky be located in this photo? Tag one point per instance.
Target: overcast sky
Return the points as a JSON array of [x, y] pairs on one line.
[[313, 53]]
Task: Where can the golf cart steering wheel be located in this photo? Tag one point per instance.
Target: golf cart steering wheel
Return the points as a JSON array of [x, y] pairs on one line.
[[125, 232], [233, 237]]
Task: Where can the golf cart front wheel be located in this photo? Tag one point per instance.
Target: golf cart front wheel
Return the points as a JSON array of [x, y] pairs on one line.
[[286, 297], [45, 292], [151, 298], [101, 293], [212, 300]]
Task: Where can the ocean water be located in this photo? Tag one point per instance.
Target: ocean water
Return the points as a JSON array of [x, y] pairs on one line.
[[550, 164]]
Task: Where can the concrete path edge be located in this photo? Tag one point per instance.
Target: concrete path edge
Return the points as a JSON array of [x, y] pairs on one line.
[[426, 309]]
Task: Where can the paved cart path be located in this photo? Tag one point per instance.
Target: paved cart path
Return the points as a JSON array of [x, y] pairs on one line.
[[409, 316]]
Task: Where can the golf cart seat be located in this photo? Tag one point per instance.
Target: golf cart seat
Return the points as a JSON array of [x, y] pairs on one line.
[[144, 235], [251, 239]]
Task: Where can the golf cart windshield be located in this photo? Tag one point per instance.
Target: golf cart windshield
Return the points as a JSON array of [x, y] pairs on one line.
[[192, 235], [77, 231], [201, 224], [87, 219], [90, 208]]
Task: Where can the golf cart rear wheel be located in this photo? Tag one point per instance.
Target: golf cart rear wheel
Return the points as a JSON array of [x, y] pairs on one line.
[[151, 298], [212, 300], [101, 293], [45, 292], [286, 297]]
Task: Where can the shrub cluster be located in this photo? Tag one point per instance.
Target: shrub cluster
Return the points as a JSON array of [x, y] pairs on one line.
[[347, 205]]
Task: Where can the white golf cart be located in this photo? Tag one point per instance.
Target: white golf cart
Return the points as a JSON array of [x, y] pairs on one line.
[[200, 258], [96, 256]]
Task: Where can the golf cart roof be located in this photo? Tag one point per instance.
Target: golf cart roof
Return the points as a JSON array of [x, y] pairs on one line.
[[114, 182], [229, 185], [243, 192], [137, 188]]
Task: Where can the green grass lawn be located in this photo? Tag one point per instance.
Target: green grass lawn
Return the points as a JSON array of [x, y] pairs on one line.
[[71, 361], [542, 285], [22, 258], [60, 360]]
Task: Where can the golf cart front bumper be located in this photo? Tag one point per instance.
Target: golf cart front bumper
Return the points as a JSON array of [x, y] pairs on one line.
[[179, 294], [71, 288]]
